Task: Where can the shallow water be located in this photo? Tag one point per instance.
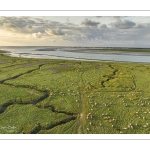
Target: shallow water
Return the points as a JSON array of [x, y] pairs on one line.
[[74, 53]]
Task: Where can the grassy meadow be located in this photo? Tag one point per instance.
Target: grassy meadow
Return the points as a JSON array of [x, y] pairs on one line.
[[43, 96]]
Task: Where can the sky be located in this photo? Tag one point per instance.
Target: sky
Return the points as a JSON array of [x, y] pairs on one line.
[[92, 31]]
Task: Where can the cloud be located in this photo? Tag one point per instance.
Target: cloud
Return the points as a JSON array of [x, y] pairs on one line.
[[103, 26], [90, 23], [54, 32], [99, 16], [140, 26], [125, 24], [27, 24], [116, 17], [37, 35], [28, 27], [17, 21], [10, 27], [112, 30]]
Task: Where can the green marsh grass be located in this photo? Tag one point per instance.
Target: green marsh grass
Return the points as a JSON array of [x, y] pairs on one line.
[[73, 97]]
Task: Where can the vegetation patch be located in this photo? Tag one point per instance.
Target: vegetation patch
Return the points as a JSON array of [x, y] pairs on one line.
[[73, 97]]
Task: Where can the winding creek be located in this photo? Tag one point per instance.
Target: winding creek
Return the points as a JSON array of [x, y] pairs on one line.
[[3, 108]]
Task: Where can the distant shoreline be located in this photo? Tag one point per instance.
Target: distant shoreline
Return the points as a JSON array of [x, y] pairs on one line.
[[71, 59], [116, 51]]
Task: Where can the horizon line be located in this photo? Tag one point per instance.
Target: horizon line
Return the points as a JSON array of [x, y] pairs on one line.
[[76, 46]]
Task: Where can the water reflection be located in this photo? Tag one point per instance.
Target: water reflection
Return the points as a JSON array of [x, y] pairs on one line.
[[75, 53]]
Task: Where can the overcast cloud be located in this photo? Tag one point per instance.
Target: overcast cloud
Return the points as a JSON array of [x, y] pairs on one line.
[[94, 31]]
